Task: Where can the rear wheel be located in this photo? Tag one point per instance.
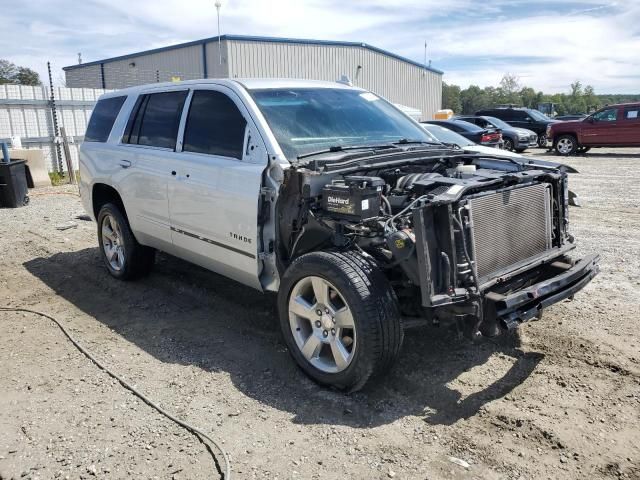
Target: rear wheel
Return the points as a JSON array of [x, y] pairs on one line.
[[123, 256], [339, 318], [566, 145]]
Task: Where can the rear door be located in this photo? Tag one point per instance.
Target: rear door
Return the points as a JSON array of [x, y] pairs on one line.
[[602, 128], [214, 196], [629, 129], [148, 150]]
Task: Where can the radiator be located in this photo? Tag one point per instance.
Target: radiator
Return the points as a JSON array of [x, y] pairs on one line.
[[509, 227]]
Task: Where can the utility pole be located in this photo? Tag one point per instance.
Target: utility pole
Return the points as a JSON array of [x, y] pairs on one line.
[[218, 4]]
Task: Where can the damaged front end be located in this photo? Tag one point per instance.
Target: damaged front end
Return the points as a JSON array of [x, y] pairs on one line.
[[495, 258], [473, 240]]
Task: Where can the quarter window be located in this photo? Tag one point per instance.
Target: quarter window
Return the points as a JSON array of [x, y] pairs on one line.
[[156, 119], [102, 119], [214, 126]]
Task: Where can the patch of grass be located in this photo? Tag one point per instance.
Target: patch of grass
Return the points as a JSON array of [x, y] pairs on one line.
[[58, 178]]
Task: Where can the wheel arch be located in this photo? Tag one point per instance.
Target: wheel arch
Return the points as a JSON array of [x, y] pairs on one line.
[[101, 194]]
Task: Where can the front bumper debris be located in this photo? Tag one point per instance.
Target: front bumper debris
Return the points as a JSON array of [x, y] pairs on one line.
[[522, 305]]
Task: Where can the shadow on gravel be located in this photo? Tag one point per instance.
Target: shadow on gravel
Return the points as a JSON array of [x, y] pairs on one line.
[[186, 315]]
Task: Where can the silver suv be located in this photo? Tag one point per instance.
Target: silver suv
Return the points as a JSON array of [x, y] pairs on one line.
[[332, 197]]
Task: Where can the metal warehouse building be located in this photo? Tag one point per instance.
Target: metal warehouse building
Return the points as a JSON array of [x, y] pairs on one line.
[[396, 78]]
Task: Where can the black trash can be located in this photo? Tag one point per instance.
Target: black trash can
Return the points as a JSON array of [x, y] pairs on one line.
[[13, 184]]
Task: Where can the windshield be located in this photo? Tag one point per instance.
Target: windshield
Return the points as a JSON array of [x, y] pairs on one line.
[[445, 135], [306, 120], [498, 123], [538, 116]]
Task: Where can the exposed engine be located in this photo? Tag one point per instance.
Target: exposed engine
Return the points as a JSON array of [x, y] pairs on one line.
[[444, 231]]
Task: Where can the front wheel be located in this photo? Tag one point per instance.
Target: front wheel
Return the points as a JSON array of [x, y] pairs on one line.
[[542, 140], [508, 144], [566, 145], [339, 318]]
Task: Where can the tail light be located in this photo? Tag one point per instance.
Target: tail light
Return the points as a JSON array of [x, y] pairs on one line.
[[490, 137]]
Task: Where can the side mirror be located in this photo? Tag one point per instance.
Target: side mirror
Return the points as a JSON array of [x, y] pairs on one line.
[[590, 119]]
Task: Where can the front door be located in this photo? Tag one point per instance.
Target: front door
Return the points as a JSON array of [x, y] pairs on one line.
[[601, 128], [214, 196]]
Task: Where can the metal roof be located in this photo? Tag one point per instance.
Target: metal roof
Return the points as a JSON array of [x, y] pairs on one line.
[[250, 38]]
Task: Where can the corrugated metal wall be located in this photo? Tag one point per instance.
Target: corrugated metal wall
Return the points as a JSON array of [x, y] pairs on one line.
[[86, 77], [182, 63], [394, 79], [397, 80], [25, 112]]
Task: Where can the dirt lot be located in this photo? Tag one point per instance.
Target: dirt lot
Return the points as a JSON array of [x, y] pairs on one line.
[[565, 403]]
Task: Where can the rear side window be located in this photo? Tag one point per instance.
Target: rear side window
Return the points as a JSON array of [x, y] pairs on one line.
[[506, 115], [214, 125], [102, 119], [632, 113], [155, 120], [519, 115]]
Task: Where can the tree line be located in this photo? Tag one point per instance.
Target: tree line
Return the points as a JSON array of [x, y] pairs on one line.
[[579, 99], [14, 74]]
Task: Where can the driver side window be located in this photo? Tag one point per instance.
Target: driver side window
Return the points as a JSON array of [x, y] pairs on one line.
[[214, 125], [608, 115]]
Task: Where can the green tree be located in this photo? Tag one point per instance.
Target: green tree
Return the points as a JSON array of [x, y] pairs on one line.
[[11, 73], [7, 71], [26, 76], [451, 97]]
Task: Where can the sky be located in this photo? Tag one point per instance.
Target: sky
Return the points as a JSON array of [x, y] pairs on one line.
[[546, 43]]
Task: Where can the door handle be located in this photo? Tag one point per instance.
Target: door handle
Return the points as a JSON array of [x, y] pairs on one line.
[[124, 163]]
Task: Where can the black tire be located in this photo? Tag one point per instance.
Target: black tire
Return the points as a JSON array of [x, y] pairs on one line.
[[520, 150], [566, 145], [372, 304], [508, 144], [542, 140], [138, 259]]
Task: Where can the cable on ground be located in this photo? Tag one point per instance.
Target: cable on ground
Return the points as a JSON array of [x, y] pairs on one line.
[[226, 475]]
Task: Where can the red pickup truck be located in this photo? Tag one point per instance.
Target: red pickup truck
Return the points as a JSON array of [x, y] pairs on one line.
[[611, 126]]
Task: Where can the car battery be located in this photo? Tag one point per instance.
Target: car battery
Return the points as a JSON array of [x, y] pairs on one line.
[[353, 198]]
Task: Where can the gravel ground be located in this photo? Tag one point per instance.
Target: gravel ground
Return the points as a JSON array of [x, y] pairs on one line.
[[562, 404]]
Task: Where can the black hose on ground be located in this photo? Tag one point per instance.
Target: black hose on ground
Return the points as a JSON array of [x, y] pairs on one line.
[[226, 475]]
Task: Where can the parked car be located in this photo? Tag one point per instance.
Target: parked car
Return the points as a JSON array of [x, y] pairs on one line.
[[522, 118], [333, 198], [451, 138], [513, 138], [490, 137], [574, 116], [611, 126]]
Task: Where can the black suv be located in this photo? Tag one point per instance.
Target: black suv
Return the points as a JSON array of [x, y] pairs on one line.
[[522, 118]]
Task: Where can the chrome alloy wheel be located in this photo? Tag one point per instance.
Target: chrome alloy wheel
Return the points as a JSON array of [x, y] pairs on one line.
[[322, 324], [565, 146], [112, 242]]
